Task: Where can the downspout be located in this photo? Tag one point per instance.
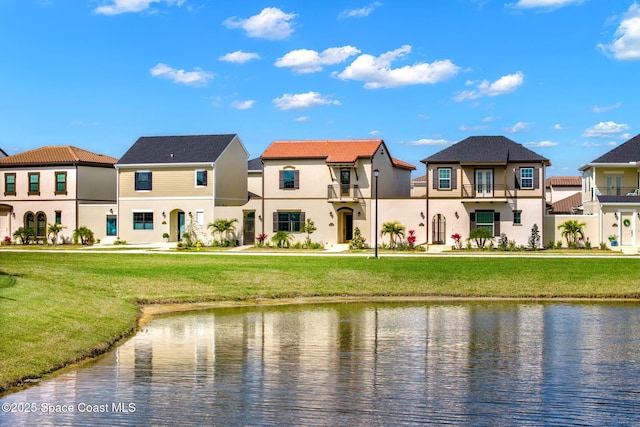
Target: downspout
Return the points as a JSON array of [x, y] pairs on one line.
[[77, 213], [262, 201], [426, 198]]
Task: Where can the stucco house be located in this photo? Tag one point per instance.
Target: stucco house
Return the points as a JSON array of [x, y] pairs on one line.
[[485, 181], [611, 190], [171, 184], [332, 182], [57, 184]]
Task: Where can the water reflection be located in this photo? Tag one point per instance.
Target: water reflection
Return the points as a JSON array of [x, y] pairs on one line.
[[356, 364]]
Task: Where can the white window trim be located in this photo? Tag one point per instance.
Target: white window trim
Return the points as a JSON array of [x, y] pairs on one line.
[[440, 179], [134, 180], [195, 178], [522, 178], [200, 217]]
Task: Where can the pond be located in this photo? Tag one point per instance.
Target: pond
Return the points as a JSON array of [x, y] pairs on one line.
[[358, 364]]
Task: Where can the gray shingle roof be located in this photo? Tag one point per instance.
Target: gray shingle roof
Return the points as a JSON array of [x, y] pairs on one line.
[[255, 164], [485, 149], [627, 152], [176, 149]]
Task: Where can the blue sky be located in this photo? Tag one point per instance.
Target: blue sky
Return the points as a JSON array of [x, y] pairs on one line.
[[559, 76]]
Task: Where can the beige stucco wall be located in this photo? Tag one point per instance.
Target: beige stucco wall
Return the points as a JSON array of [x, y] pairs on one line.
[[94, 217], [47, 183], [231, 175], [591, 229], [254, 183], [97, 184]]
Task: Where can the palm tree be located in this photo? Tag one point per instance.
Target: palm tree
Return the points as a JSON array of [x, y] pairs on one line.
[[54, 229], [84, 234], [282, 239], [572, 230], [223, 226], [394, 229]]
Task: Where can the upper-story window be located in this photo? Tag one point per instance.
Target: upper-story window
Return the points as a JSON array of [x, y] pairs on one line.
[[34, 183], [444, 179], [9, 184], [143, 181], [289, 179], [526, 178], [201, 178], [61, 183]]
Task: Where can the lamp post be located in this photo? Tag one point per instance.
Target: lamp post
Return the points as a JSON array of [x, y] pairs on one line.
[[376, 172]]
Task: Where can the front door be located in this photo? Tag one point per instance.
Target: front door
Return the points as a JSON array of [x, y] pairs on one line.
[[627, 225], [345, 225], [249, 228], [484, 183], [180, 224], [112, 225]]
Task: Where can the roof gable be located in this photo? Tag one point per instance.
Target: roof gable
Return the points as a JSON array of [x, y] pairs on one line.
[[334, 151], [628, 151], [177, 149], [57, 155], [564, 181], [485, 149]]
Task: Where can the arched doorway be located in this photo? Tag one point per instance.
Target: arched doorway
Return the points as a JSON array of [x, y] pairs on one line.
[[438, 229], [176, 225], [345, 225]]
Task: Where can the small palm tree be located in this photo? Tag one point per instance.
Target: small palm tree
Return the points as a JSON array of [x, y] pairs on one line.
[[282, 239], [83, 234], [223, 226], [24, 234], [394, 229], [572, 230], [53, 230]]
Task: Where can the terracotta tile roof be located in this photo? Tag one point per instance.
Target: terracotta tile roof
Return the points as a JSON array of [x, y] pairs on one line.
[[56, 155], [564, 181], [333, 151], [567, 205], [422, 178]]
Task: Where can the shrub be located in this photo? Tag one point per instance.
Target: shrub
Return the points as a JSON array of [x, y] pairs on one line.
[[260, 239], [534, 238], [481, 236], [357, 242], [457, 238], [84, 235], [503, 242], [282, 239], [24, 234]]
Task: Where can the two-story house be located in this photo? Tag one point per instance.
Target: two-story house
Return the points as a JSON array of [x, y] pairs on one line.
[[174, 184], [333, 182], [611, 190], [56, 184], [485, 181]]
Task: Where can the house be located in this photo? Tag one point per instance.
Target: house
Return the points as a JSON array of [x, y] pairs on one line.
[[564, 195], [611, 190], [334, 183], [174, 184], [57, 184], [3, 153], [419, 186], [485, 181]]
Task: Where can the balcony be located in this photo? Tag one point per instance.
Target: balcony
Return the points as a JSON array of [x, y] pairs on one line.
[[487, 193], [343, 193], [617, 194]]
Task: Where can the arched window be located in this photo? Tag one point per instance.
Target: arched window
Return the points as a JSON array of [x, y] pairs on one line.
[[41, 225], [30, 221]]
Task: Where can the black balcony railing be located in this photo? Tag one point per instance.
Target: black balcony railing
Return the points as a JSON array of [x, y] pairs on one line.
[[616, 191], [343, 192], [478, 191]]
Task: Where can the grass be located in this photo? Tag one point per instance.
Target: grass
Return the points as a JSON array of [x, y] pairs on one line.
[[57, 308]]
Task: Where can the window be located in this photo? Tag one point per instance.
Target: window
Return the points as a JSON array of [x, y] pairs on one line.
[[614, 189], [444, 179], [34, 183], [287, 221], [143, 220], [200, 217], [517, 217], [9, 184], [289, 179], [484, 219], [58, 217], [201, 178], [30, 221], [143, 181], [526, 178], [41, 225], [61, 183]]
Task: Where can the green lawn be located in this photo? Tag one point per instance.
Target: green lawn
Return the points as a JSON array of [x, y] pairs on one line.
[[56, 308]]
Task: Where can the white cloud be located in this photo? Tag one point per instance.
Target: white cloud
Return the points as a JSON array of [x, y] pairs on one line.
[[117, 7], [375, 132], [301, 119], [541, 144], [427, 141], [376, 72], [488, 119], [305, 61], [625, 136], [505, 84], [302, 101], [189, 78], [605, 130], [596, 144], [518, 127], [597, 109], [81, 123], [424, 117], [239, 57], [272, 23], [558, 126], [549, 4], [243, 105], [361, 12], [626, 44]]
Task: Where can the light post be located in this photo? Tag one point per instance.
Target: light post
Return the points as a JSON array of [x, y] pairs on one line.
[[376, 172]]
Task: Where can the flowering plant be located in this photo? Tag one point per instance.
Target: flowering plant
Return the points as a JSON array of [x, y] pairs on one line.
[[457, 238], [411, 238]]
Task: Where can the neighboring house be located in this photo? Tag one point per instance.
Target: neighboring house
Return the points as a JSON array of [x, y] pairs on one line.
[[611, 190], [419, 186], [57, 184], [485, 181], [571, 205], [333, 184], [561, 187], [174, 184]]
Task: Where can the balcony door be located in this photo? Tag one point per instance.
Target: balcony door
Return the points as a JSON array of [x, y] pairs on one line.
[[484, 183], [345, 181]]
